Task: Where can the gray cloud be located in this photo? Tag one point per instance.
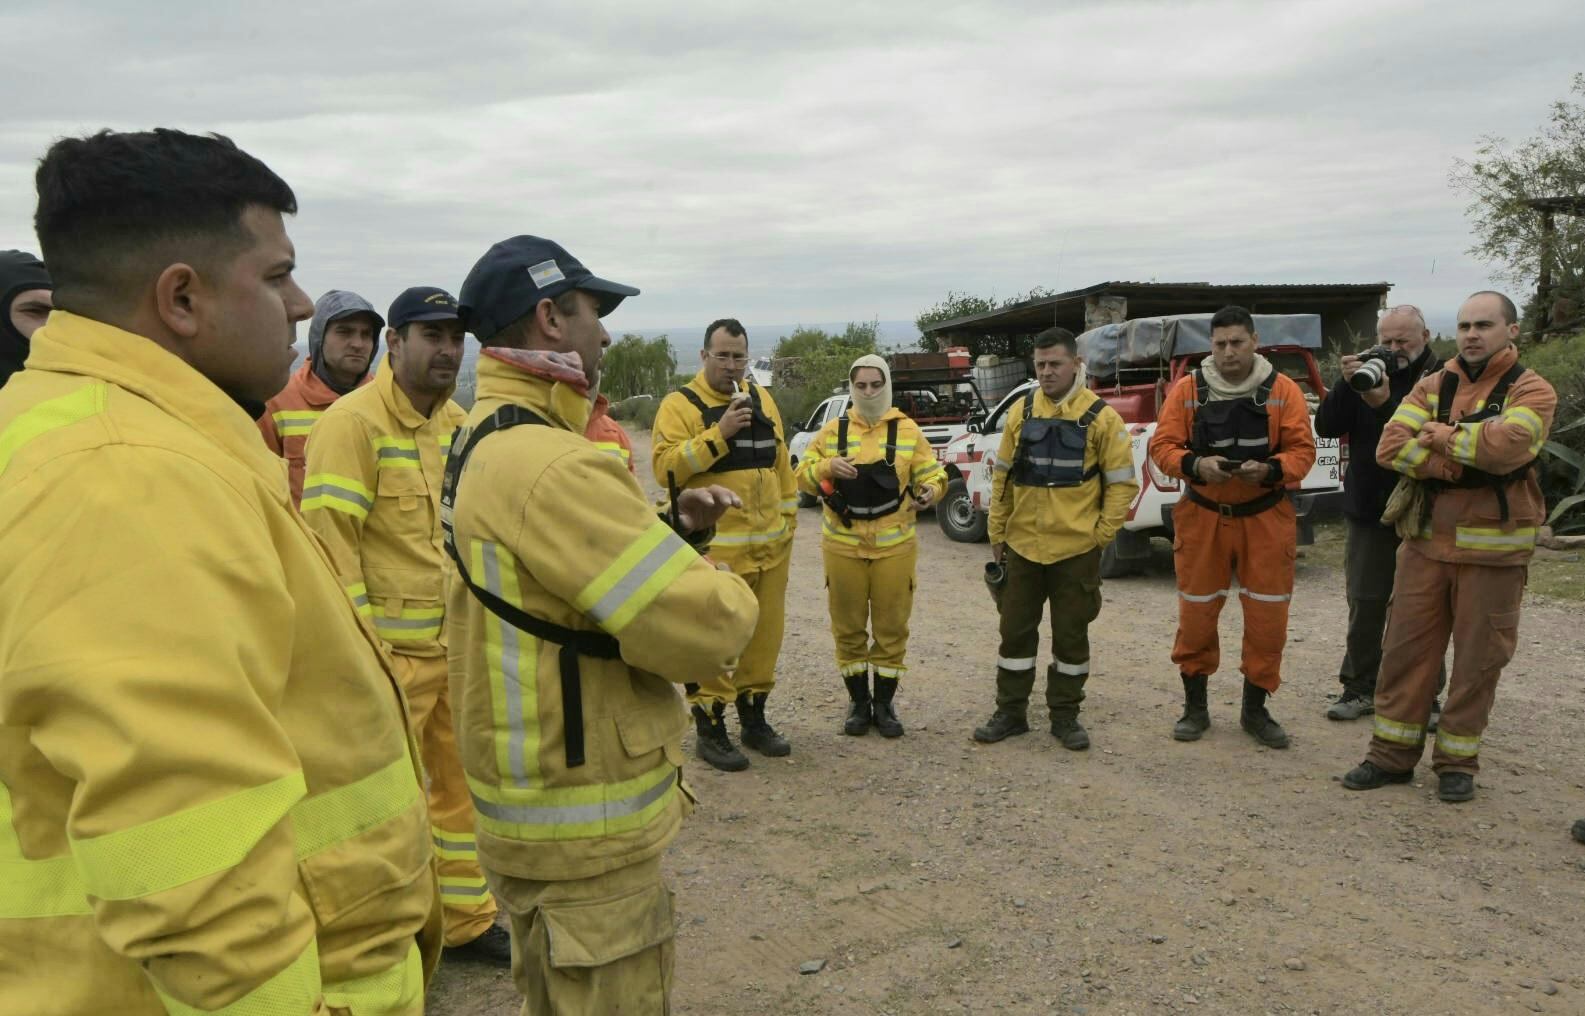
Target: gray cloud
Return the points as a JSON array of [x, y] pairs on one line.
[[823, 161]]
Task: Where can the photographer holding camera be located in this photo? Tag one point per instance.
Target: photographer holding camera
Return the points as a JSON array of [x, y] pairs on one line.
[[1375, 381]]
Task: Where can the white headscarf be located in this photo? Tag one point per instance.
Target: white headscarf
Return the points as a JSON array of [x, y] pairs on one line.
[[872, 407]]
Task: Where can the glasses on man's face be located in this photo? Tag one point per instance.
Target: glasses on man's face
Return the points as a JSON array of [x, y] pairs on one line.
[[734, 359]]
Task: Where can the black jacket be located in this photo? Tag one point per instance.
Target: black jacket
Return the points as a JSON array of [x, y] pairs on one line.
[[1366, 486]]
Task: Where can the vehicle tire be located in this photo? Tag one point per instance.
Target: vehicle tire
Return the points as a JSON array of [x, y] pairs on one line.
[[957, 516], [1115, 566]]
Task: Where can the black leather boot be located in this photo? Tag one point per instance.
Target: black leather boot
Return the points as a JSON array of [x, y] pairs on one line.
[[713, 743], [1257, 721], [1196, 718], [885, 716], [756, 732], [858, 721]]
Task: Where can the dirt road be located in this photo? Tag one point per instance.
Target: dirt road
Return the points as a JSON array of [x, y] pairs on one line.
[[935, 875]]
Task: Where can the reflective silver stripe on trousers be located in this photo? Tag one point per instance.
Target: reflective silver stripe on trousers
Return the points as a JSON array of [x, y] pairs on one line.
[[1267, 597], [625, 587], [1074, 669], [1019, 663], [1220, 594], [510, 661], [575, 814]]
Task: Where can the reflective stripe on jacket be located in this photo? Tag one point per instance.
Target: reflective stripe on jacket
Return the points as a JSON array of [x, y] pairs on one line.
[[208, 799], [373, 495], [563, 533]]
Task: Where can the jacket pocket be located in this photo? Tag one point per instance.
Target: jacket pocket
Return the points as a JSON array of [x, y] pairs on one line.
[[647, 731], [405, 486], [370, 871], [600, 932]]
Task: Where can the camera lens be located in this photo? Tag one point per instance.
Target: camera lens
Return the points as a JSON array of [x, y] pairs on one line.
[[1368, 376]]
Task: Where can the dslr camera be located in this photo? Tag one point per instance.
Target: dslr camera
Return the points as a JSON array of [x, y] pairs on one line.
[[1375, 364]]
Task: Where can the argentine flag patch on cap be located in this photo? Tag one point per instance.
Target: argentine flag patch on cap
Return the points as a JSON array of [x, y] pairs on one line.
[[545, 273]]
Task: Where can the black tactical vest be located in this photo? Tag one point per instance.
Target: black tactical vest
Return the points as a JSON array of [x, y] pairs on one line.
[[1051, 452], [1238, 430], [753, 447], [875, 492]]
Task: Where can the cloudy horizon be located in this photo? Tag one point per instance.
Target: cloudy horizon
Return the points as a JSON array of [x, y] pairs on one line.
[[828, 162]]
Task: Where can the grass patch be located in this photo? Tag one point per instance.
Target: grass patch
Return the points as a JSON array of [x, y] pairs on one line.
[[1558, 575]]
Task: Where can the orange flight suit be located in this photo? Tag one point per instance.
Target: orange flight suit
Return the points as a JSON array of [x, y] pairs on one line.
[[1210, 546]]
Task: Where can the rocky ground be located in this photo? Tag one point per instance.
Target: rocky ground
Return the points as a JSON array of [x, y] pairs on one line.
[[931, 874]]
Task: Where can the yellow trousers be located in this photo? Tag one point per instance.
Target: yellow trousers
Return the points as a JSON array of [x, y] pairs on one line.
[[469, 907], [756, 670], [870, 601], [591, 946]]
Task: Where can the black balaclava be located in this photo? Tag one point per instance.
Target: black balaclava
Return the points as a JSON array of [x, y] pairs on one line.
[[19, 272]]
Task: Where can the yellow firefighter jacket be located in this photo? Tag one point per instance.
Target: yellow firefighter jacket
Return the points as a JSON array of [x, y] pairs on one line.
[[561, 531], [759, 535], [916, 468], [208, 794], [1467, 524], [1050, 524], [372, 493]]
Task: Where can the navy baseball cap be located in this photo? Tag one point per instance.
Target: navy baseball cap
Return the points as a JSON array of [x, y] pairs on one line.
[[423, 303], [514, 275]]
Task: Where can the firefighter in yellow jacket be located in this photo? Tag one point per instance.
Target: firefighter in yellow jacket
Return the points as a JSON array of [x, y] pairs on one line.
[[720, 429], [372, 493], [874, 471], [572, 607], [208, 796], [1060, 490], [1468, 437]]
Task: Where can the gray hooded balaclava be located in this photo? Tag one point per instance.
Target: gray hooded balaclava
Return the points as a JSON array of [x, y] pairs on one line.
[[334, 305], [872, 407]]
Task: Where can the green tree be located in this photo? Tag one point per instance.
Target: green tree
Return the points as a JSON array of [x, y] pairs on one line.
[[638, 366], [812, 362], [958, 305], [1503, 177]]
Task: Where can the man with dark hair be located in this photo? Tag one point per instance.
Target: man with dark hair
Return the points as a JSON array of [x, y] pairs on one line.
[[570, 608], [1060, 490], [24, 304], [205, 752], [1238, 431], [1466, 439], [372, 493], [1371, 554], [722, 428], [342, 340]]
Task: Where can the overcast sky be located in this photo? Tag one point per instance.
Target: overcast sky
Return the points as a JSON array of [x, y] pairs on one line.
[[824, 161]]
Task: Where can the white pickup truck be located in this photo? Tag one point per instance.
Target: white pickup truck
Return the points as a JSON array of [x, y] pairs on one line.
[[962, 512]]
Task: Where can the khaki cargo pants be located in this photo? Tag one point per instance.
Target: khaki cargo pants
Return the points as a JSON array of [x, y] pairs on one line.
[[600, 945]]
